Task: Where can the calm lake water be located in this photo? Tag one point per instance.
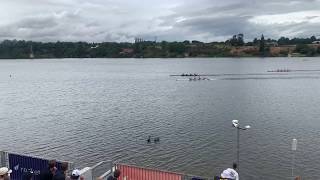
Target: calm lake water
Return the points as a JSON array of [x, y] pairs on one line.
[[88, 110]]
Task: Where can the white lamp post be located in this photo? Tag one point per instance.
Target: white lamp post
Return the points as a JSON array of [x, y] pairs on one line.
[[236, 124]]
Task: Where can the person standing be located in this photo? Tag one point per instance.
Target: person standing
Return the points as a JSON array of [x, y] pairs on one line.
[[61, 174], [231, 173], [47, 174], [76, 175], [115, 176], [5, 173]]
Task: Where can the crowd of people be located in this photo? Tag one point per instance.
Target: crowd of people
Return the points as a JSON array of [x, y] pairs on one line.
[[52, 173]]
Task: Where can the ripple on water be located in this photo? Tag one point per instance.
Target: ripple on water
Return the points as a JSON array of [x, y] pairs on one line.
[[91, 110]]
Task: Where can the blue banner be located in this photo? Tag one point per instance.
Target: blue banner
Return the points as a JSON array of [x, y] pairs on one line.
[[20, 164]]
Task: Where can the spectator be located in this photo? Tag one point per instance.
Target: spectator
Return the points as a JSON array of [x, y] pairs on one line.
[[231, 173], [47, 174], [76, 175], [5, 173], [61, 174], [116, 175]]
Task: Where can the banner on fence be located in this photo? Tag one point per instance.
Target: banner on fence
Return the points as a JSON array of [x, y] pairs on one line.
[[20, 164]]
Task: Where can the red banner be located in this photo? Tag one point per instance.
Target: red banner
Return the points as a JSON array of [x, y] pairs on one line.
[[137, 173]]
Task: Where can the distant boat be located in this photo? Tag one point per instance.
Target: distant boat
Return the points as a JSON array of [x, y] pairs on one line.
[[280, 70], [196, 79], [195, 74]]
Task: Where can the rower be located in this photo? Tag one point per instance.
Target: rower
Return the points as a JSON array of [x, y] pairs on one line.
[[157, 139]]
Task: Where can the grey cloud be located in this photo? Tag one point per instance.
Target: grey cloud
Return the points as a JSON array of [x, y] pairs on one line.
[[122, 20], [224, 20], [37, 23]]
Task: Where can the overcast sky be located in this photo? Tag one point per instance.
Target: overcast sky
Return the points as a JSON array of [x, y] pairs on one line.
[[171, 20]]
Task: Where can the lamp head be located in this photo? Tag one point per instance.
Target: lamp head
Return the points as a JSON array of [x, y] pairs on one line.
[[247, 127], [235, 123]]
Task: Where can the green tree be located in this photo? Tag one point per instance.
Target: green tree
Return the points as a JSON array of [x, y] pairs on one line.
[[305, 49], [186, 42], [262, 45], [255, 41], [284, 41], [177, 47], [240, 41], [164, 45], [234, 40]]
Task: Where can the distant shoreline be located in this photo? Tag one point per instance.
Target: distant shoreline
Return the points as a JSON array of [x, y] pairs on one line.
[[148, 49], [242, 57]]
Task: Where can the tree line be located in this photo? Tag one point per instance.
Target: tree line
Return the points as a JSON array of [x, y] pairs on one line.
[[18, 49]]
